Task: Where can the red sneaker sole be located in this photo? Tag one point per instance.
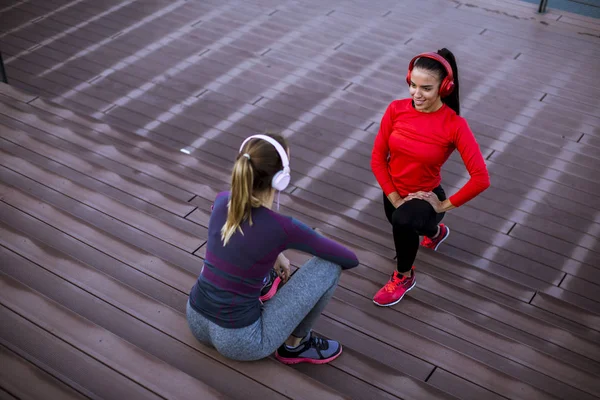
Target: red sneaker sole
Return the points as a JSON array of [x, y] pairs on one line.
[[292, 361], [269, 295]]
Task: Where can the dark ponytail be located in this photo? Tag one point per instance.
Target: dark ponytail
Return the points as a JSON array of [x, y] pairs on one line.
[[429, 64], [452, 100]]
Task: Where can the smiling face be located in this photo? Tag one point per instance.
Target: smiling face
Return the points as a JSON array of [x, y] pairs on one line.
[[425, 90]]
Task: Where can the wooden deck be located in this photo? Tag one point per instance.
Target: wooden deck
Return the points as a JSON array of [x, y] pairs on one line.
[[119, 127]]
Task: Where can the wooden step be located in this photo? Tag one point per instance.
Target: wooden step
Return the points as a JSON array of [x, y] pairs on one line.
[[100, 344], [24, 379]]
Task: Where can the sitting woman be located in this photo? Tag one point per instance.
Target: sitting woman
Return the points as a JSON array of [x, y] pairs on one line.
[[245, 242]]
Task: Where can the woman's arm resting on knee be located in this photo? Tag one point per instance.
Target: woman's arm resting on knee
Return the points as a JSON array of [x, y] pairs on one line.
[[301, 237], [395, 199]]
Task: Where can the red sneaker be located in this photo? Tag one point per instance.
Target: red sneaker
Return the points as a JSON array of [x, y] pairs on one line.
[[433, 244], [271, 286], [395, 289]]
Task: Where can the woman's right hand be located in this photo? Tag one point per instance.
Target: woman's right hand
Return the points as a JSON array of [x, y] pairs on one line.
[[282, 267]]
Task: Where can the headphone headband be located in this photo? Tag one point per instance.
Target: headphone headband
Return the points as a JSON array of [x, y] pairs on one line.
[[282, 153], [447, 85], [281, 180]]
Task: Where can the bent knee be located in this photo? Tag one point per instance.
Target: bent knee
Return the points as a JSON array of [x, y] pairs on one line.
[[402, 219]]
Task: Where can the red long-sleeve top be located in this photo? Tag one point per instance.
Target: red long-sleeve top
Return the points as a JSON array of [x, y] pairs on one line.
[[418, 144]]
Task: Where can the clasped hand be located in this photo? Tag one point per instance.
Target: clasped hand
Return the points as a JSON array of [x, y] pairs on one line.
[[429, 197]]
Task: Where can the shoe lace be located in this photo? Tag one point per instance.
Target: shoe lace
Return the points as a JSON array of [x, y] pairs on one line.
[[319, 343], [393, 283], [427, 241]]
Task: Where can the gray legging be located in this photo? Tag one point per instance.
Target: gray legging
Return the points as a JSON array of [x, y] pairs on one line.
[[292, 311]]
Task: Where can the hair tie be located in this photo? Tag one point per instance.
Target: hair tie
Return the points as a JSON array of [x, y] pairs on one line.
[[246, 155]]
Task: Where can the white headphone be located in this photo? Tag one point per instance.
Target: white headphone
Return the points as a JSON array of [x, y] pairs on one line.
[[281, 180]]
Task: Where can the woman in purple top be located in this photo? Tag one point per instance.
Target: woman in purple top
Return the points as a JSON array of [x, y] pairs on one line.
[[244, 258]]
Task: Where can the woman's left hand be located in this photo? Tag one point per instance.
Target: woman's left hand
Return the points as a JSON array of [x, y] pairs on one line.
[[429, 197]]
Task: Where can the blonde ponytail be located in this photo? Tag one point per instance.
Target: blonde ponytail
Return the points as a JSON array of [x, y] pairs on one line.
[[241, 200]]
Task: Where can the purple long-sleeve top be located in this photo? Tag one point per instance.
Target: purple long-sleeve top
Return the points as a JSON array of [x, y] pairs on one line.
[[228, 289]]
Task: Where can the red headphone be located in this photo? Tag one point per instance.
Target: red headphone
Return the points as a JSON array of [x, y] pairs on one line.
[[447, 85]]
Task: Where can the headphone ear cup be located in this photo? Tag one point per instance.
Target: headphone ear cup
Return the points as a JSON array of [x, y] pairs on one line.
[[446, 88], [408, 77], [281, 180]]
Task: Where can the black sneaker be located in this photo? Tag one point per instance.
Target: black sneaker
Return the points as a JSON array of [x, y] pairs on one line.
[[273, 281], [312, 349]]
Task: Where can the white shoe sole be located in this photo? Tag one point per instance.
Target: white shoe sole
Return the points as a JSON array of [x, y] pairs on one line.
[[444, 238]]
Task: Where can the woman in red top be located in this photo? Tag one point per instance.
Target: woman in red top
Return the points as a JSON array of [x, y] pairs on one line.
[[415, 138]]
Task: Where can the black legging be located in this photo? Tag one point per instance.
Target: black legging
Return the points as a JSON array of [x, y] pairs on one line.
[[413, 218]]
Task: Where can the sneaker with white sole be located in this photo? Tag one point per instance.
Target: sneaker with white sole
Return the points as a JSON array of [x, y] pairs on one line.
[[395, 289]]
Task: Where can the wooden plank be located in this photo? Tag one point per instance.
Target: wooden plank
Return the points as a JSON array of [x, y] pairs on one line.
[[19, 95], [574, 298], [369, 370], [536, 189], [540, 216], [27, 381], [85, 370], [351, 387], [458, 387], [96, 254], [524, 374], [16, 18], [557, 177], [410, 371], [99, 145], [106, 162], [439, 298], [552, 304], [80, 274], [400, 385], [569, 169], [152, 198], [67, 165], [579, 253], [50, 89], [130, 236], [405, 340], [582, 287], [86, 292], [4, 395], [103, 204]]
